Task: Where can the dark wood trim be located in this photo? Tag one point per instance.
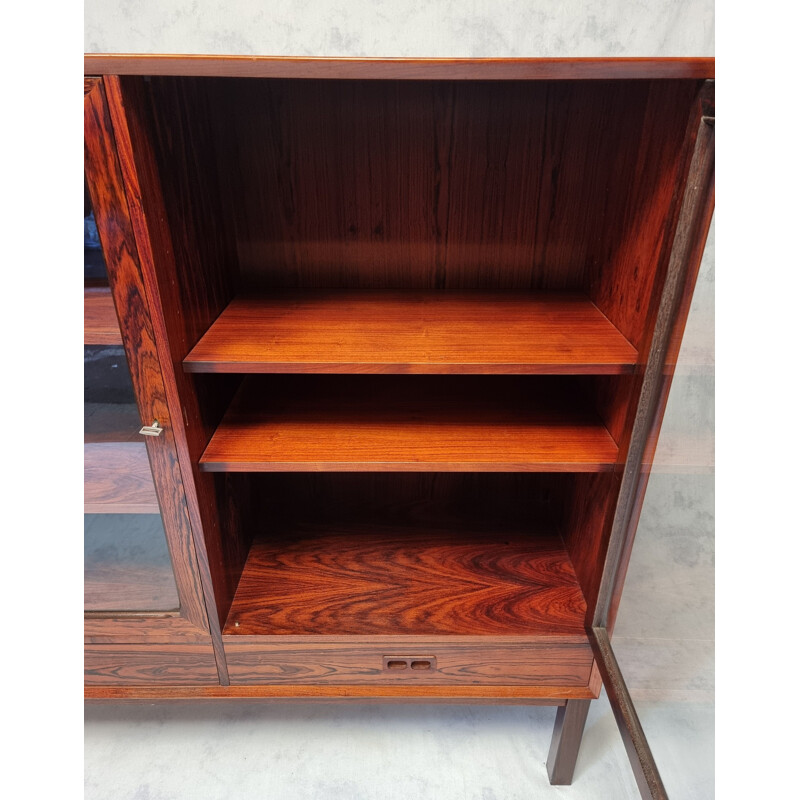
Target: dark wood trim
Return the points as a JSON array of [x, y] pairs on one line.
[[644, 766], [399, 68], [687, 251], [104, 179], [141, 226], [494, 695], [567, 735]]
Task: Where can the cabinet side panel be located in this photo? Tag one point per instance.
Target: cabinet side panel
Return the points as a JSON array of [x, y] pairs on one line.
[[629, 260], [587, 526]]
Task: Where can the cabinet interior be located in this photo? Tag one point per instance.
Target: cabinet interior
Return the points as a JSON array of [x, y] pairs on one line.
[[505, 238]]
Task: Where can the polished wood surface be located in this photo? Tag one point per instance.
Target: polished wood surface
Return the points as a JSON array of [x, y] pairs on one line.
[[412, 332], [567, 735], [479, 695], [398, 68], [135, 587], [588, 502], [121, 249], [451, 185], [477, 660], [150, 664], [117, 479], [394, 424], [360, 578], [141, 627], [629, 265], [100, 325]]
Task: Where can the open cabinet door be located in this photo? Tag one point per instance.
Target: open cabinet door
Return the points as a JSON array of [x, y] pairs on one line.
[[693, 223], [641, 757]]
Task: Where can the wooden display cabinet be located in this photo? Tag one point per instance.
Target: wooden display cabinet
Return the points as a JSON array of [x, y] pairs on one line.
[[408, 328]]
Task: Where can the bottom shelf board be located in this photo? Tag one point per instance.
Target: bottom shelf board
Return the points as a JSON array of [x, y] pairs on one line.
[[362, 579]]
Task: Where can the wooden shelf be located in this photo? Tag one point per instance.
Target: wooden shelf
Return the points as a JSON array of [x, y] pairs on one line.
[[117, 479], [100, 325], [129, 587], [399, 423], [360, 578], [413, 332]]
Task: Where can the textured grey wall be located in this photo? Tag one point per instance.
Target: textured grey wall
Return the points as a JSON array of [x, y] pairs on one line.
[[434, 28]]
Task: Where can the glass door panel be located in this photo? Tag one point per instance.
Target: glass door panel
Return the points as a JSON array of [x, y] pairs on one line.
[[127, 565]]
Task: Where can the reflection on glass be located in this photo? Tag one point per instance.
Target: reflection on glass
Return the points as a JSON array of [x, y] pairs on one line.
[[94, 265], [127, 565]]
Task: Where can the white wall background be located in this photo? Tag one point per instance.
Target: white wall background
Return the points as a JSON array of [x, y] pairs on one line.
[[433, 28]]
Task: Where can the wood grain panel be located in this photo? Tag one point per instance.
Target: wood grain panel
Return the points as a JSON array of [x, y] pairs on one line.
[[141, 627], [100, 325], [544, 661], [151, 664], [477, 695], [626, 273], [419, 332], [375, 578], [519, 185], [396, 424], [399, 68], [586, 527], [117, 479]]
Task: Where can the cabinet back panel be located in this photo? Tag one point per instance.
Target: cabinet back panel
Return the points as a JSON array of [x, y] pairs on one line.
[[457, 185]]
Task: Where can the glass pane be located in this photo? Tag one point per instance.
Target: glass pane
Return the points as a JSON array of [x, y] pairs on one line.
[[127, 565], [664, 636], [94, 265]]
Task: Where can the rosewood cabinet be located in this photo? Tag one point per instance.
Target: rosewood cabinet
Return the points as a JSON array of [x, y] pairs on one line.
[[405, 330]]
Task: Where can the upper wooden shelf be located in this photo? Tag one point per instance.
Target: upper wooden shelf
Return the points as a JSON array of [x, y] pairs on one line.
[[100, 325], [413, 332], [424, 423]]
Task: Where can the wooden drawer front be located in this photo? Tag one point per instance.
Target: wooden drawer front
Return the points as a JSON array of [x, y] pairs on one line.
[[131, 664], [559, 661]]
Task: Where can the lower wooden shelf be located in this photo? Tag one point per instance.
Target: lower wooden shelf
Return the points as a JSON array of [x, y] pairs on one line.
[[390, 605], [359, 578]]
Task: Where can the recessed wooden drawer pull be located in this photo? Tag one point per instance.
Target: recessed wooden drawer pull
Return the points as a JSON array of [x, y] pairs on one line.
[[409, 662]]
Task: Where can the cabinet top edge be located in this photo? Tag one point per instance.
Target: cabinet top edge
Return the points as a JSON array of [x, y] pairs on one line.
[[399, 68]]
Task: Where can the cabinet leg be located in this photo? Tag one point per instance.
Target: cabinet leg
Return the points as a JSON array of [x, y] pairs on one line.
[[567, 735]]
